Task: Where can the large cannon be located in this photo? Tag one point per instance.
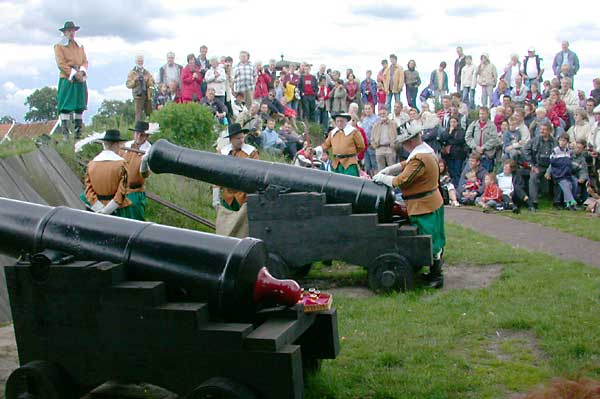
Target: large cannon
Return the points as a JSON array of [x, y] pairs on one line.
[[306, 215], [98, 298]]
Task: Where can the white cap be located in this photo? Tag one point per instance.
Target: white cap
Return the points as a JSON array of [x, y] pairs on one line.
[[531, 49]]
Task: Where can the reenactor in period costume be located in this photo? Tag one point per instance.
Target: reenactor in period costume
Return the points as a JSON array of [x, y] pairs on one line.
[[137, 168], [106, 179], [418, 178], [345, 142], [72, 87], [232, 212]]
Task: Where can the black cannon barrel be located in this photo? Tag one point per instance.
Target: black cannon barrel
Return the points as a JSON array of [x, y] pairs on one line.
[[251, 175], [221, 271]]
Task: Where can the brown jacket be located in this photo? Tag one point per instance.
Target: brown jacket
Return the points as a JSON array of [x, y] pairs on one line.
[[106, 176], [132, 82], [397, 82], [229, 194], [387, 127], [69, 56], [420, 174], [135, 180], [342, 143]]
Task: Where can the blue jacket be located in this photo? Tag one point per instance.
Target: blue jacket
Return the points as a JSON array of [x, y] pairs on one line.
[[496, 100], [573, 62], [364, 86], [433, 81], [560, 164]]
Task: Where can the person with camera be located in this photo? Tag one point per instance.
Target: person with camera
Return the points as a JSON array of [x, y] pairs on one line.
[[141, 83], [72, 87], [191, 79]]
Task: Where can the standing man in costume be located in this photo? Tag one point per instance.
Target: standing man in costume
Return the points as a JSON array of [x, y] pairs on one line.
[[232, 212], [106, 179], [346, 142], [72, 88], [418, 178], [137, 169]]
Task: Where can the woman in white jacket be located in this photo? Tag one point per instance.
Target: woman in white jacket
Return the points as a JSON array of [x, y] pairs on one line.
[[487, 76], [469, 82], [215, 78]]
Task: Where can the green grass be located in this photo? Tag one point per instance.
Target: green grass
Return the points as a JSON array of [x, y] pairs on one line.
[[16, 147], [428, 344], [580, 223]]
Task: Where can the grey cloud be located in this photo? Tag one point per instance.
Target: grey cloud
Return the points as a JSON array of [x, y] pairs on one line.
[[584, 31], [133, 22], [470, 11], [385, 11]]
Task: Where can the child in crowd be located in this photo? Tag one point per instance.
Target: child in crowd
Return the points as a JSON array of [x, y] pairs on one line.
[[447, 189], [560, 170], [471, 190], [325, 162], [546, 91], [540, 119], [306, 158], [278, 89], [492, 195], [595, 93], [161, 98], [381, 96], [499, 117], [511, 137], [565, 72], [533, 95]]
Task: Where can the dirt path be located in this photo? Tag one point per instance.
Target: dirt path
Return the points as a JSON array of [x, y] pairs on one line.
[[527, 235]]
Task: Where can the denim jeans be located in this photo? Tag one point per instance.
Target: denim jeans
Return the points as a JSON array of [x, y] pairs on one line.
[[487, 163], [455, 167], [323, 116], [370, 160], [308, 108], [468, 97], [486, 95], [388, 100]]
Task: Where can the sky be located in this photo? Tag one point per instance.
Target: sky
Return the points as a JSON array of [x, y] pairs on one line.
[[350, 34]]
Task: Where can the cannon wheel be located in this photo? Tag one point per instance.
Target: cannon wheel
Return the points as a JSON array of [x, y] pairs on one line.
[[222, 388], [40, 380], [390, 272], [278, 267]]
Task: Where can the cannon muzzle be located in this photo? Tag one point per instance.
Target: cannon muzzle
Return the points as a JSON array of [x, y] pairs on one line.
[[250, 176], [225, 272]]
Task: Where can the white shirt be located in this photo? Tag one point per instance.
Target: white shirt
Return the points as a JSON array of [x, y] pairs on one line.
[[505, 183], [514, 72]]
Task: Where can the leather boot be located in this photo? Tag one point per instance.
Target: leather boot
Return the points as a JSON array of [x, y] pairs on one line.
[[77, 128], [64, 127], [435, 278]]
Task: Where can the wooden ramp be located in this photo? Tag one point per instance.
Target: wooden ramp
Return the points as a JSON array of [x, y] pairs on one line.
[[40, 177]]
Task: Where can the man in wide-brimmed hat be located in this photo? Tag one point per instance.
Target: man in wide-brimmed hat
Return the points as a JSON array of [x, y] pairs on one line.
[[232, 214], [137, 168], [345, 142], [72, 88], [106, 179], [418, 178]]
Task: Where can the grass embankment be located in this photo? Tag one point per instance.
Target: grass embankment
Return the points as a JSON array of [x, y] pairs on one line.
[[16, 147], [539, 320]]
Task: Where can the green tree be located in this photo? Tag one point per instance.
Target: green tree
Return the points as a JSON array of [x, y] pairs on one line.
[[42, 105], [190, 125], [114, 114], [7, 119]]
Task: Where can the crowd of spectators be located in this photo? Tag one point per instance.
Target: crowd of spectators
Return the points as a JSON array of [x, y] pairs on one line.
[[540, 136]]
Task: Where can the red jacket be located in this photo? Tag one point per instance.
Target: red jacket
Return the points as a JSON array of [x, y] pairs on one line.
[[262, 85], [492, 192], [190, 86], [558, 112], [361, 154]]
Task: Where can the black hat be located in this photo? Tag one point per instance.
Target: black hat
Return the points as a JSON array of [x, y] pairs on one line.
[[343, 115], [235, 129], [112, 135], [140, 126], [69, 25]]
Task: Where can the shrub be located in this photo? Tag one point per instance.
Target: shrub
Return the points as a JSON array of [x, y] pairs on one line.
[[190, 125]]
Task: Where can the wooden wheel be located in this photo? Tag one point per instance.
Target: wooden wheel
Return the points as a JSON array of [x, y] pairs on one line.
[[39, 380], [391, 272], [222, 388]]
